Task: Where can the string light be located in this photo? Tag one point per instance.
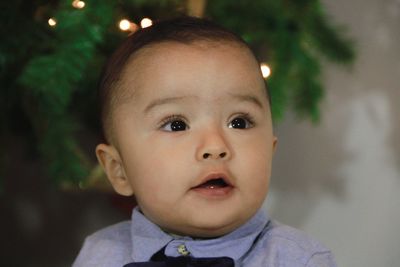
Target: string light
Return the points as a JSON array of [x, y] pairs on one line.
[[146, 22], [78, 4], [52, 22], [126, 25], [265, 70]]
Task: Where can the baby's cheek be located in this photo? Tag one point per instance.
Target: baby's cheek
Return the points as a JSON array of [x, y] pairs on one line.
[[258, 181]]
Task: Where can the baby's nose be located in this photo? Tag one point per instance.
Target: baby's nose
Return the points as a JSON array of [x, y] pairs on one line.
[[213, 146], [220, 155]]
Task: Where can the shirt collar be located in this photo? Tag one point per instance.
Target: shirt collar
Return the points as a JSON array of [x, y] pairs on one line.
[[148, 238]]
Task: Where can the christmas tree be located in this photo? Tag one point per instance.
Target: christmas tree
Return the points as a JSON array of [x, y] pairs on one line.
[[52, 52]]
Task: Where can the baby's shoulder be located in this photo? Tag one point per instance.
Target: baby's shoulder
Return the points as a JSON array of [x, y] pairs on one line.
[[106, 247], [279, 233], [119, 232], [288, 246]]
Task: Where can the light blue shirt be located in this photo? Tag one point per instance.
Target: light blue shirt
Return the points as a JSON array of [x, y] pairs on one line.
[[258, 243]]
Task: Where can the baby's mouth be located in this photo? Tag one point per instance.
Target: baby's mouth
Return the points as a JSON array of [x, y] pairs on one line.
[[215, 187], [213, 183]]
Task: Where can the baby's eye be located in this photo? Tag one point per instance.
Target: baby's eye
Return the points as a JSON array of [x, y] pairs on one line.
[[174, 125], [241, 123]]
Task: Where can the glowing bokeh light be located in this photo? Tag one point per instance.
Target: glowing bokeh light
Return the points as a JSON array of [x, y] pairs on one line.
[[52, 22], [124, 24], [78, 4], [146, 22], [265, 70]]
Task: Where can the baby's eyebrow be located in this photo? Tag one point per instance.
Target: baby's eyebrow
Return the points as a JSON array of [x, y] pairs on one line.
[[163, 101], [248, 98]]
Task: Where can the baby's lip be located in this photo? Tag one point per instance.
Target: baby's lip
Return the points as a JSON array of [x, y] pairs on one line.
[[214, 176]]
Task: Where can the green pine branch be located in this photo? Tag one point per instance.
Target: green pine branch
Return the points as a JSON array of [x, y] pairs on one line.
[[51, 79], [49, 74]]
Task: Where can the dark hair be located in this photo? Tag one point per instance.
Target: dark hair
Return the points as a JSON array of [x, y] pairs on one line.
[[182, 30]]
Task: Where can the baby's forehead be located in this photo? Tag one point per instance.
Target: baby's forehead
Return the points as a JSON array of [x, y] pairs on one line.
[[167, 47], [147, 59]]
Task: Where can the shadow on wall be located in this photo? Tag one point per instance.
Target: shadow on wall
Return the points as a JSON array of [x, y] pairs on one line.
[[296, 187], [378, 71], [360, 127], [376, 31], [360, 121]]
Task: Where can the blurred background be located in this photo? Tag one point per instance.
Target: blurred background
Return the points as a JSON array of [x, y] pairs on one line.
[[332, 68], [340, 180]]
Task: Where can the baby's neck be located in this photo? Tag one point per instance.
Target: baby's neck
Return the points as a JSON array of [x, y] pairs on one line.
[[175, 236]]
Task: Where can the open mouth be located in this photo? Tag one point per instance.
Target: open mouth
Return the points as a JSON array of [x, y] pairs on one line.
[[214, 186], [213, 183]]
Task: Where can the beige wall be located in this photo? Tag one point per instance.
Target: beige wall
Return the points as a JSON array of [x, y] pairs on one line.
[[340, 181]]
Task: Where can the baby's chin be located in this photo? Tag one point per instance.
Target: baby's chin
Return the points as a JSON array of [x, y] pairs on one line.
[[209, 223], [208, 231]]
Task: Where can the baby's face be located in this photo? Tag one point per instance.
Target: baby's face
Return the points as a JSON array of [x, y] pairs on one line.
[[194, 137]]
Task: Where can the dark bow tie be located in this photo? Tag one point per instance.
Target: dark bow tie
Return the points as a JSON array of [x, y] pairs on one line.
[[185, 261]]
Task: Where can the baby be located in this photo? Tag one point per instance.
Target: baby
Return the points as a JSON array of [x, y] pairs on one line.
[[187, 120]]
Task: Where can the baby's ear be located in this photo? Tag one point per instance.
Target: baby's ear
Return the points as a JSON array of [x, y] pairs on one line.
[[109, 158], [274, 143]]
